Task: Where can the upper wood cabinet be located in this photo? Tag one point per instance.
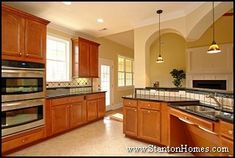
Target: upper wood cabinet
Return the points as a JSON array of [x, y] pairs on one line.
[[23, 36], [84, 58]]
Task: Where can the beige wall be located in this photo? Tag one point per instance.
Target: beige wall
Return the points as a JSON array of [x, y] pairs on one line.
[[111, 50], [107, 50], [223, 33], [173, 53]]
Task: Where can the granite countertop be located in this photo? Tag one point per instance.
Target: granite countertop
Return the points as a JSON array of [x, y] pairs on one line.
[[160, 98], [179, 102], [218, 114], [67, 92]]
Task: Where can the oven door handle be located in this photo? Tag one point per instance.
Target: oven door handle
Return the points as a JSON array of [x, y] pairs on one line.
[[21, 73], [22, 104], [21, 68]]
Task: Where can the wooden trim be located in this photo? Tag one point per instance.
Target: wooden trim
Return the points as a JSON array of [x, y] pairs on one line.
[[228, 14], [24, 14]]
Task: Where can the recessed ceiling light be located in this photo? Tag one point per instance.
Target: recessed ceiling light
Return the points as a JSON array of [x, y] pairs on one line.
[[100, 20], [67, 3]]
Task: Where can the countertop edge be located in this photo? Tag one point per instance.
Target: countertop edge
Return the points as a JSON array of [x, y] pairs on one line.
[[69, 95]]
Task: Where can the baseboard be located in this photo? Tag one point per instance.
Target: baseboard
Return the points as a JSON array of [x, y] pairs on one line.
[[116, 106]]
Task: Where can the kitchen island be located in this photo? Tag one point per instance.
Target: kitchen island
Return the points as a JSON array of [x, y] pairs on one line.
[[164, 121]]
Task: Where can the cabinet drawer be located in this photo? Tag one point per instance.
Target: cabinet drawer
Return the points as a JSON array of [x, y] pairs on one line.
[[23, 139], [95, 96], [149, 105], [226, 129], [191, 119], [66, 100], [130, 103]]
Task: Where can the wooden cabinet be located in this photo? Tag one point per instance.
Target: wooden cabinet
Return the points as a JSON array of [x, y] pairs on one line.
[[12, 34], [130, 121], [92, 113], [227, 143], [226, 137], [85, 58], [66, 113], [77, 116], [59, 118], [35, 41], [20, 140], [149, 125], [23, 36], [95, 106], [101, 107], [94, 60]]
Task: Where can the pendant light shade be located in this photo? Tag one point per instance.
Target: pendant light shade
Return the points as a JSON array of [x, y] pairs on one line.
[[214, 48], [159, 58]]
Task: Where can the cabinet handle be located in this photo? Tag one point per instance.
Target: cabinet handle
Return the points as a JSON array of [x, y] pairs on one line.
[[186, 121], [27, 54], [20, 54], [204, 129], [230, 132], [148, 104], [23, 141]]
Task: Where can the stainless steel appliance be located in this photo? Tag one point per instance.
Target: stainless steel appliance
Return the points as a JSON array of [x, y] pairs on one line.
[[22, 115], [23, 96], [23, 80]]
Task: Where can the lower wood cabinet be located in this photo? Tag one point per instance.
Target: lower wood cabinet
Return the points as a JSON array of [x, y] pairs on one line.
[[77, 114], [130, 121], [66, 113], [22, 139], [227, 143], [149, 125], [92, 113], [59, 118]]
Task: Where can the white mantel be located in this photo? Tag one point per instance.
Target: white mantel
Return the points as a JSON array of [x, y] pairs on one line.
[[204, 66]]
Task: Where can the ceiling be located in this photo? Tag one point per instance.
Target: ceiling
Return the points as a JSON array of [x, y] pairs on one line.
[[120, 18]]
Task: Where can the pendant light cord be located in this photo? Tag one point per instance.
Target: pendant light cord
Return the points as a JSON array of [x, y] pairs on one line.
[[159, 37], [213, 22]]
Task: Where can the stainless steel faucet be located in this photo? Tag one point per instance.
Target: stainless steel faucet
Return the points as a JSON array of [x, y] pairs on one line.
[[213, 96]]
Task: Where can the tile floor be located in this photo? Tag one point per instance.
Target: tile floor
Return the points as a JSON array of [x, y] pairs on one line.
[[104, 137]]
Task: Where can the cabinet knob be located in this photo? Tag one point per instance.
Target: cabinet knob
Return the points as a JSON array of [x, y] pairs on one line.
[[134, 110], [20, 54], [27, 54], [148, 104], [148, 111], [230, 132], [23, 141], [129, 103]]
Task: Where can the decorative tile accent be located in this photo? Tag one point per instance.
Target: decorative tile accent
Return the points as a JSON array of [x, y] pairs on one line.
[[76, 82]]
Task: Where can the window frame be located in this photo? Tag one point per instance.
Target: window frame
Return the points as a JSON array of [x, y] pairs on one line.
[[67, 60], [132, 72]]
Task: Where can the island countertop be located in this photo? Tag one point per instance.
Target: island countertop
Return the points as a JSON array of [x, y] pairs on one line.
[[66, 93], [160, 98]]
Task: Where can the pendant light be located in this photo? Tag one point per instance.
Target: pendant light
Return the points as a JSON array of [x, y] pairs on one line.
[[159, 58], [214, 48]]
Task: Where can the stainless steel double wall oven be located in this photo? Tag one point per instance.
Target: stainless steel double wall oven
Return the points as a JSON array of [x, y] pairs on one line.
[[23, 96]]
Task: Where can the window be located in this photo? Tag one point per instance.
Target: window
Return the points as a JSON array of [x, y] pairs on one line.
[[125, 71], [57, 59]]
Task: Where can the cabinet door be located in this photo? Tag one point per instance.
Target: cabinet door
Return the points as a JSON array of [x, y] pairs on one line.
[[84, 58], [101, 107], [60, 118], [130, 121], [76, 114], [149, 125], [94, 60], [91, 110], [75, 63], [227, 143], [12, 36], [35, 41]]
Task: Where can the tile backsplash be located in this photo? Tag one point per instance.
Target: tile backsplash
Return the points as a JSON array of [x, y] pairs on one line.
[[76, 82], [202, 97]]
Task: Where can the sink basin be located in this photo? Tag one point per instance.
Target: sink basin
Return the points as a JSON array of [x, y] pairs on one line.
[[213, 113]]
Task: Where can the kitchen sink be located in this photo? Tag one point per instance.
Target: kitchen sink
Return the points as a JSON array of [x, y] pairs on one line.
[[213, 113]]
